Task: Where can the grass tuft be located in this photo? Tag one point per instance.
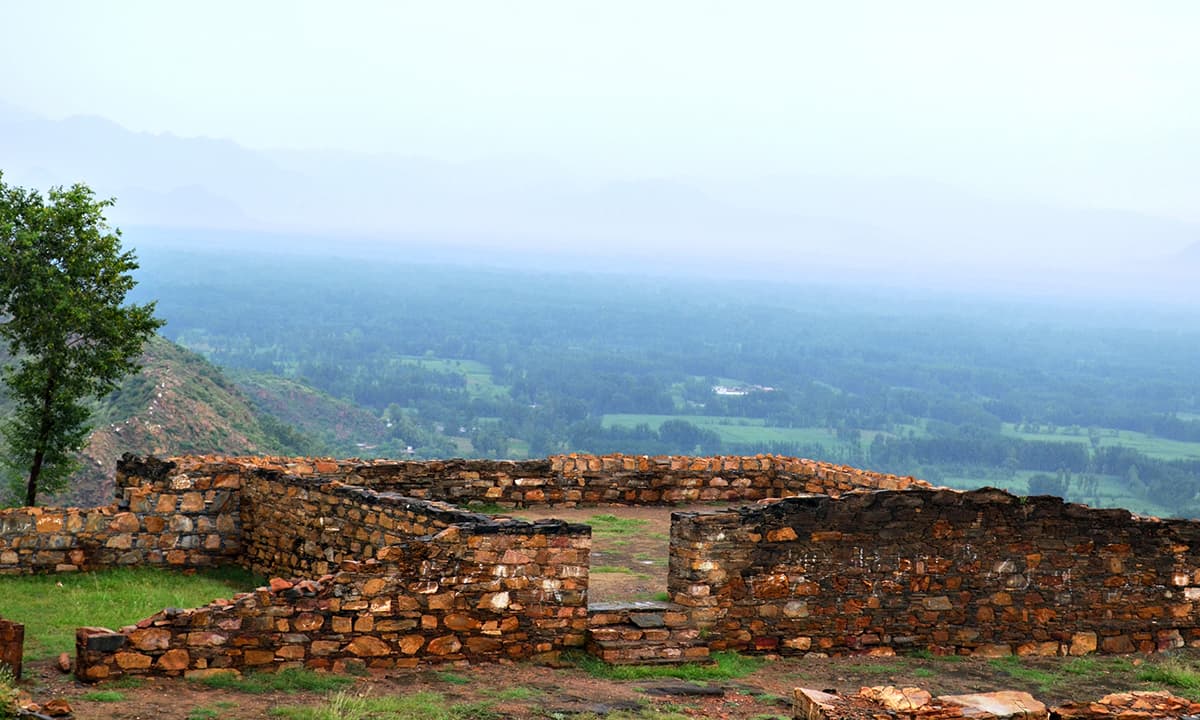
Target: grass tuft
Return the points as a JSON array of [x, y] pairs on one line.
[[1012, 667], [724, 666], [1174, 674], [290, 680], [609, 525], [104, 696]]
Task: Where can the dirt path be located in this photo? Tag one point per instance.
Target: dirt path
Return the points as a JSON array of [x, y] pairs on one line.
[[526, 692], [629, 547]]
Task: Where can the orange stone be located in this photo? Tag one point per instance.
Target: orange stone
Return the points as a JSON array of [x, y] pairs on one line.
[[173, 660], [367, 646], [444, 645]]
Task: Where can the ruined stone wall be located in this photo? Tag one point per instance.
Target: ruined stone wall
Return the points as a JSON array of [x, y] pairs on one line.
[[162, 516], [980, 572], [189, 511], [487, 592], [569, 480], [401, 581]]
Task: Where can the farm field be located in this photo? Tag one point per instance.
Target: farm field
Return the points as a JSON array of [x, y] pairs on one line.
[[478, 375], [1155, 447], [734, 430]]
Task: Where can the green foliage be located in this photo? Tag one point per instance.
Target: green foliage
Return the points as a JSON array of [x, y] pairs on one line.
[[53, 606], [724, 666], [1181, 676], [289, 680], [458, 361], [104, 696], [63, 282], [9, 693]]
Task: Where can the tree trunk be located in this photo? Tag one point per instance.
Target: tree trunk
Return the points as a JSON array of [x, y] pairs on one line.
[[39, 453], [31, 489]]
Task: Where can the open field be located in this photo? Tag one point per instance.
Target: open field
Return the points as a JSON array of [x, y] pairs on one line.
[[1155, 447], [478, 375], [730, 429]]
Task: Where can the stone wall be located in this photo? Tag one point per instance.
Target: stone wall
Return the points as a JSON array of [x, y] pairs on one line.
[[478, 592], [981, 572], [569, 480], [161, 517]]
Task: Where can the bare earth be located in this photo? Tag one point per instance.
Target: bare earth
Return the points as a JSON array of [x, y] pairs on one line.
[[641, 553], [563, 692]]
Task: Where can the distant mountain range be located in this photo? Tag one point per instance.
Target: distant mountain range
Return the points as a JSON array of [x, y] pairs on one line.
[[790, 227]]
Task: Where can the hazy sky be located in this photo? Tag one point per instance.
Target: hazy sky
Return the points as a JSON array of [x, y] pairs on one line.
[[1090, 103]]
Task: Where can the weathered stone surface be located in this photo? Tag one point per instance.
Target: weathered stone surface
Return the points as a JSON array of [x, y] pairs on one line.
[[1138, 705], [1003, 705], [444, 645], [367, 646], [173, 660]]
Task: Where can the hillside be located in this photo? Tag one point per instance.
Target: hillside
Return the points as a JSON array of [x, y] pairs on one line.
[[178, 403], [336, 426]]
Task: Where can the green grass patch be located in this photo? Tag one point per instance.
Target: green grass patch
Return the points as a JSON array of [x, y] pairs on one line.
[[203, 713], [1179, 676], [453, 678], [291, 680], [517, 692], [612, 526], [1155, 447], [724, 666], [415, 706], [53, 606], [104, 696], [1012, 667], [611, 569]]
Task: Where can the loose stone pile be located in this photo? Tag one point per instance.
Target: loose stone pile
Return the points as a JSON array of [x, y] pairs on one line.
[[892, 703]]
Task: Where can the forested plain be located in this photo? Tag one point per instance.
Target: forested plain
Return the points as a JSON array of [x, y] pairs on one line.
[[1089, 399]]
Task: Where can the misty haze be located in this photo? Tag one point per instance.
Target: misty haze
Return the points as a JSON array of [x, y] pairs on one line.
[[955, 242]]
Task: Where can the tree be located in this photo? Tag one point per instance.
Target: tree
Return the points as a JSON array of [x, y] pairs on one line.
[[71, 337]]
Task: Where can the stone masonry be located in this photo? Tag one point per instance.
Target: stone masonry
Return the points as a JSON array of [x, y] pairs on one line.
[[981, 573], [388, 570]]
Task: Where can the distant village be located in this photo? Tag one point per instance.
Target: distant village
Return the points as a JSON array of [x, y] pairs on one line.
[[740, 390]]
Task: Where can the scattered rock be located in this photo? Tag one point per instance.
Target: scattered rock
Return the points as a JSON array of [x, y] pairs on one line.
[[64, 663], [685, 690], [57, 708]]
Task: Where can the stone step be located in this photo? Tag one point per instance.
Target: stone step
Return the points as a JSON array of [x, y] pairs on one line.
[[616, 652]]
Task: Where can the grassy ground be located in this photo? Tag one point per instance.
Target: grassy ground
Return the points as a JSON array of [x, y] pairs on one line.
[[53, 606], [478, 375], [1155, 447]]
